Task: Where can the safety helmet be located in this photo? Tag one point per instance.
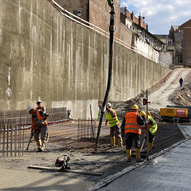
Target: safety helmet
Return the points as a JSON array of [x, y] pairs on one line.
[[142, 113], [59, 162], [108, 105], [135, 107], [39, 101], [29, 108], [149, 113]]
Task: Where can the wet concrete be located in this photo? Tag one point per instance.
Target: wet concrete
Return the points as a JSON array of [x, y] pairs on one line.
[[169, 171]]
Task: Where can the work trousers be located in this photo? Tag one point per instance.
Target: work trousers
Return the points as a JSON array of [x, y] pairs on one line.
[[41, 133], [151, 137], [115, 131], [130, 137]]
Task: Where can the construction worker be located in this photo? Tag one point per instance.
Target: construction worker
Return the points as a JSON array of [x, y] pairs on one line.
[[40, 106], [181, 81], [43, 109], [131, 129], [152, 129], [114, 127], [149, 113], [39, 126]]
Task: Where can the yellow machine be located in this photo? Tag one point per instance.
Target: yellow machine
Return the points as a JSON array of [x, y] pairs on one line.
[[180, 113]]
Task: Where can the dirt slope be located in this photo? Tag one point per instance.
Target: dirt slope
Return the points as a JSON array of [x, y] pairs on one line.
[[166, 92], [160, 97]]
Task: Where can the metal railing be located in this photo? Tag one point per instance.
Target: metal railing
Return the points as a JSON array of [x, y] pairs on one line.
[[87, 129], [13, 125], [11, 140]]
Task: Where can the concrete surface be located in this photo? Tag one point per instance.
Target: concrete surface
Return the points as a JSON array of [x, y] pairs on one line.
[[170, 171], [16, 180]]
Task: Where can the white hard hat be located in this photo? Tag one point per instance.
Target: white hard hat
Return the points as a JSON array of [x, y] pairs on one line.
[[39, 101], [29, 108], [108, 105]]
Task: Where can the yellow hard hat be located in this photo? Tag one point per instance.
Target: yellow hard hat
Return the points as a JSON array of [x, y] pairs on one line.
[[149, 112], [135, 107], [142, 113]]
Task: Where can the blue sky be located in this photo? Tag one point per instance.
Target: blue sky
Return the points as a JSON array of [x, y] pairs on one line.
[[160, 14]]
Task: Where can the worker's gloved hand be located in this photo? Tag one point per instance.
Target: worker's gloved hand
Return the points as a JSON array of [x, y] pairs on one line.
[[31, 128], [146, 121]]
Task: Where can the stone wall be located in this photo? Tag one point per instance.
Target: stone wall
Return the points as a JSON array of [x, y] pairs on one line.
[[46, 56]]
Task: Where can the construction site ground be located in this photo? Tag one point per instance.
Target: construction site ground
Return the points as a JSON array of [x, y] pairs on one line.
[[111, 162]]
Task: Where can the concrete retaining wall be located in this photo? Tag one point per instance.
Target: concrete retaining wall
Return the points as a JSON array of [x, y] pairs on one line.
[[46, 56]]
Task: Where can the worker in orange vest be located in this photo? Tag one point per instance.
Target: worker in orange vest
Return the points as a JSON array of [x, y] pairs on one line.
[[43, 109], [40, 106], [131, 129], [111, 117], [39, 126]]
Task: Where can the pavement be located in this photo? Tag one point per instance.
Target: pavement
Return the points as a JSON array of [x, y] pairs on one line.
[[167, 170]]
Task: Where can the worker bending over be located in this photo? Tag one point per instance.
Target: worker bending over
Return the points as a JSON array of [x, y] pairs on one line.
[[149, 113], [114, 127], [39, 126], [131, 129], [152, 129]]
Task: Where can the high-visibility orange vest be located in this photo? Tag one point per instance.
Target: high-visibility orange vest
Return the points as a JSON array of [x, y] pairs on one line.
[[131, 125], [39, 117], [41, 108]]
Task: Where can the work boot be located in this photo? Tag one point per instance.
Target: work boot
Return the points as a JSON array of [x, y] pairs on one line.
[[47, 137], [150, 146], [43, 145], [38, 142], [128, 152], [112, 141], [120, 142], [137, 153]]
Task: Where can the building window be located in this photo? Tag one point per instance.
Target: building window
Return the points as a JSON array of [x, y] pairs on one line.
[[169, 42], [180, 59]]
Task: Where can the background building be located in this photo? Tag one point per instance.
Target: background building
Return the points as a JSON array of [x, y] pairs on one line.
[[185, 28], [131, 31], [173, 44]]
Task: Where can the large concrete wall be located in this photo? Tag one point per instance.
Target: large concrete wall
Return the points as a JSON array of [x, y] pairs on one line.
[[46, 56]]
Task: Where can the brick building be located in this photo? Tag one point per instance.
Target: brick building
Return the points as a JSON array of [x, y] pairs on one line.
[[139, 29], [129, 19], [129, 28], [186, 29], [98, 13]]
